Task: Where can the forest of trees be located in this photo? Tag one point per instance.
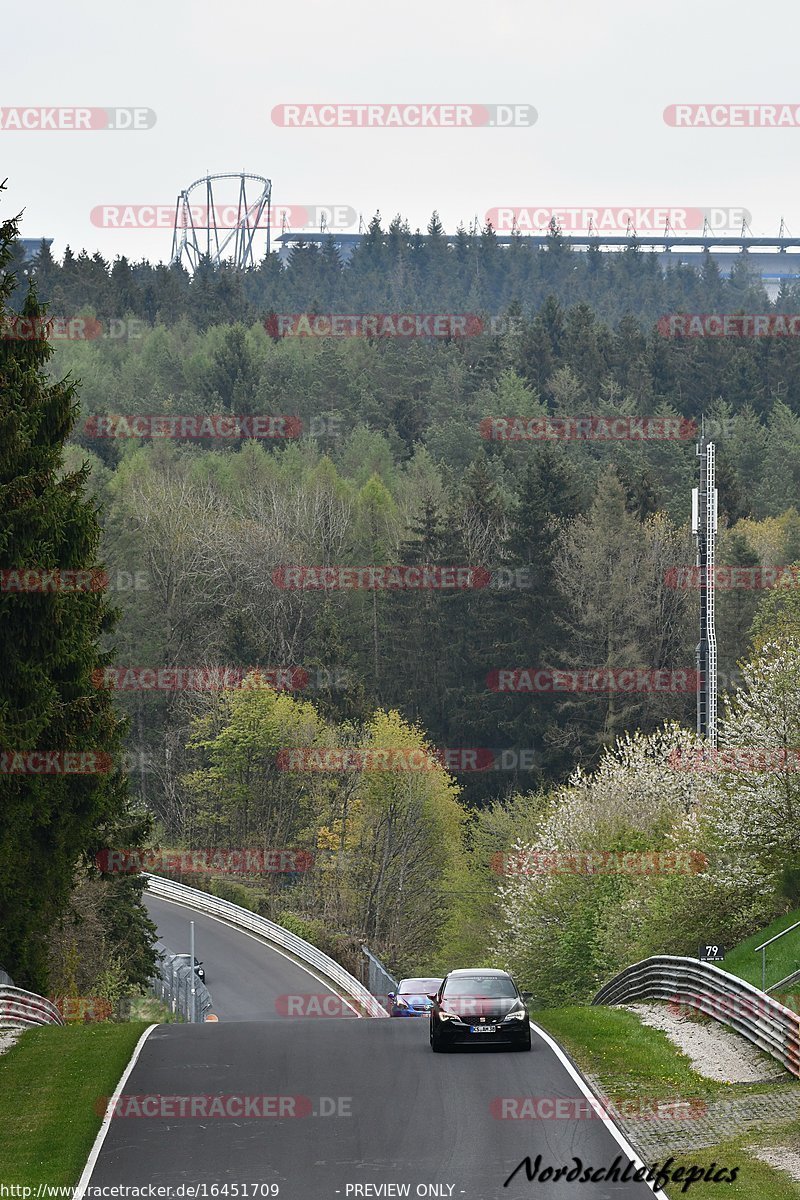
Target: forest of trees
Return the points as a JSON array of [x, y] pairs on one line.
[[579, 540], [394, 269]]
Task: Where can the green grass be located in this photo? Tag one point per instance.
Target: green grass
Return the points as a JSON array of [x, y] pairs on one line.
[[756, 1180], [51, 1082], [152, 1010], [782, 958], [631, 1060]]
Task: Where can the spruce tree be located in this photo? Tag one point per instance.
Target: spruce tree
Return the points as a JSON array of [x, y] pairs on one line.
[[49, 648]]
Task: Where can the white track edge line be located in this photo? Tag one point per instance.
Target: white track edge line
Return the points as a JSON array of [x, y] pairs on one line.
[[94, 1153], [617, 1134], [262, 941]]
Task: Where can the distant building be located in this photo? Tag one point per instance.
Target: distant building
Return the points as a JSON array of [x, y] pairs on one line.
[[32, 246], [775, 260]]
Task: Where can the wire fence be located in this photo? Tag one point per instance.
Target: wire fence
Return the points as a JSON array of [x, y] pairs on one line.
[[173, 983], [379, 981]]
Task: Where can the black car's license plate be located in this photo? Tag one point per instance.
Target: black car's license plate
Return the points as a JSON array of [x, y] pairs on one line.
[[483, 1029]]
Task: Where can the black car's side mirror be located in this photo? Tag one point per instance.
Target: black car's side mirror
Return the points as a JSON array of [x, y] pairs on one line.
[[391, 995], [429, 997]]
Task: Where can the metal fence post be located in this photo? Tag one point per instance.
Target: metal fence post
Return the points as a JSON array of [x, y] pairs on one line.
[[192, 977], [763, 949]]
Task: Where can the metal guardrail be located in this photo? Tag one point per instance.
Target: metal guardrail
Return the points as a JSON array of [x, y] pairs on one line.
[[22, 1010], [783, 983], [710, 990], [241, 918], [763, 949], [172, 983]]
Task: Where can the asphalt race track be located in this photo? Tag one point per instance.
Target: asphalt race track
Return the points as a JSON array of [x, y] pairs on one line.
[[365, 1102], [246, 978]]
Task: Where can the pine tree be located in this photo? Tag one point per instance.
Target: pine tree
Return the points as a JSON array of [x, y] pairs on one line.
[[49, 651]]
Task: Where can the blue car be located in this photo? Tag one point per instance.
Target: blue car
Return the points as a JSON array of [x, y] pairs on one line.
[[412, 997]]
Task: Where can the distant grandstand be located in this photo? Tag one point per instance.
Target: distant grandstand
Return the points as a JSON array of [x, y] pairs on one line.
[[776, 260]]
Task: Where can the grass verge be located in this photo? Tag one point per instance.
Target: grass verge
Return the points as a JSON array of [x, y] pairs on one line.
[[782, 958], [633, 1061], [51, 1082], [756, 1179], [152, 1010]]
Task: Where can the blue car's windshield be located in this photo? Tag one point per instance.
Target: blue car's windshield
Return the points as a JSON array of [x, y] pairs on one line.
[[419, 987]]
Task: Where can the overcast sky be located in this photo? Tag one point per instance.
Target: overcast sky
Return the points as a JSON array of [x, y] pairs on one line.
[[599, 76]]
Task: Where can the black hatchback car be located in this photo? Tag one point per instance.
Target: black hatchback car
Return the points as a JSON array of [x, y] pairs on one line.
[[479, 1007], [198, 966]]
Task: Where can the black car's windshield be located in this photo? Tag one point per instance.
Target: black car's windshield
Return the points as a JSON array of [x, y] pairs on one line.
[[488, 987]]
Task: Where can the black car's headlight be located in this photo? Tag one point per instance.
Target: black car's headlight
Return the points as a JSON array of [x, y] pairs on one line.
[[449, 1016], [516, 1014]]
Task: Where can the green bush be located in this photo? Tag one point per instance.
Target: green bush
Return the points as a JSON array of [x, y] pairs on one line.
[[236, 893], [342, 948], [308, 928], [790, 882]]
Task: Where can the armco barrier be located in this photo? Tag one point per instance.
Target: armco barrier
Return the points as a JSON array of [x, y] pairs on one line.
[[707, 989], [275, 935], [21, 1010]]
